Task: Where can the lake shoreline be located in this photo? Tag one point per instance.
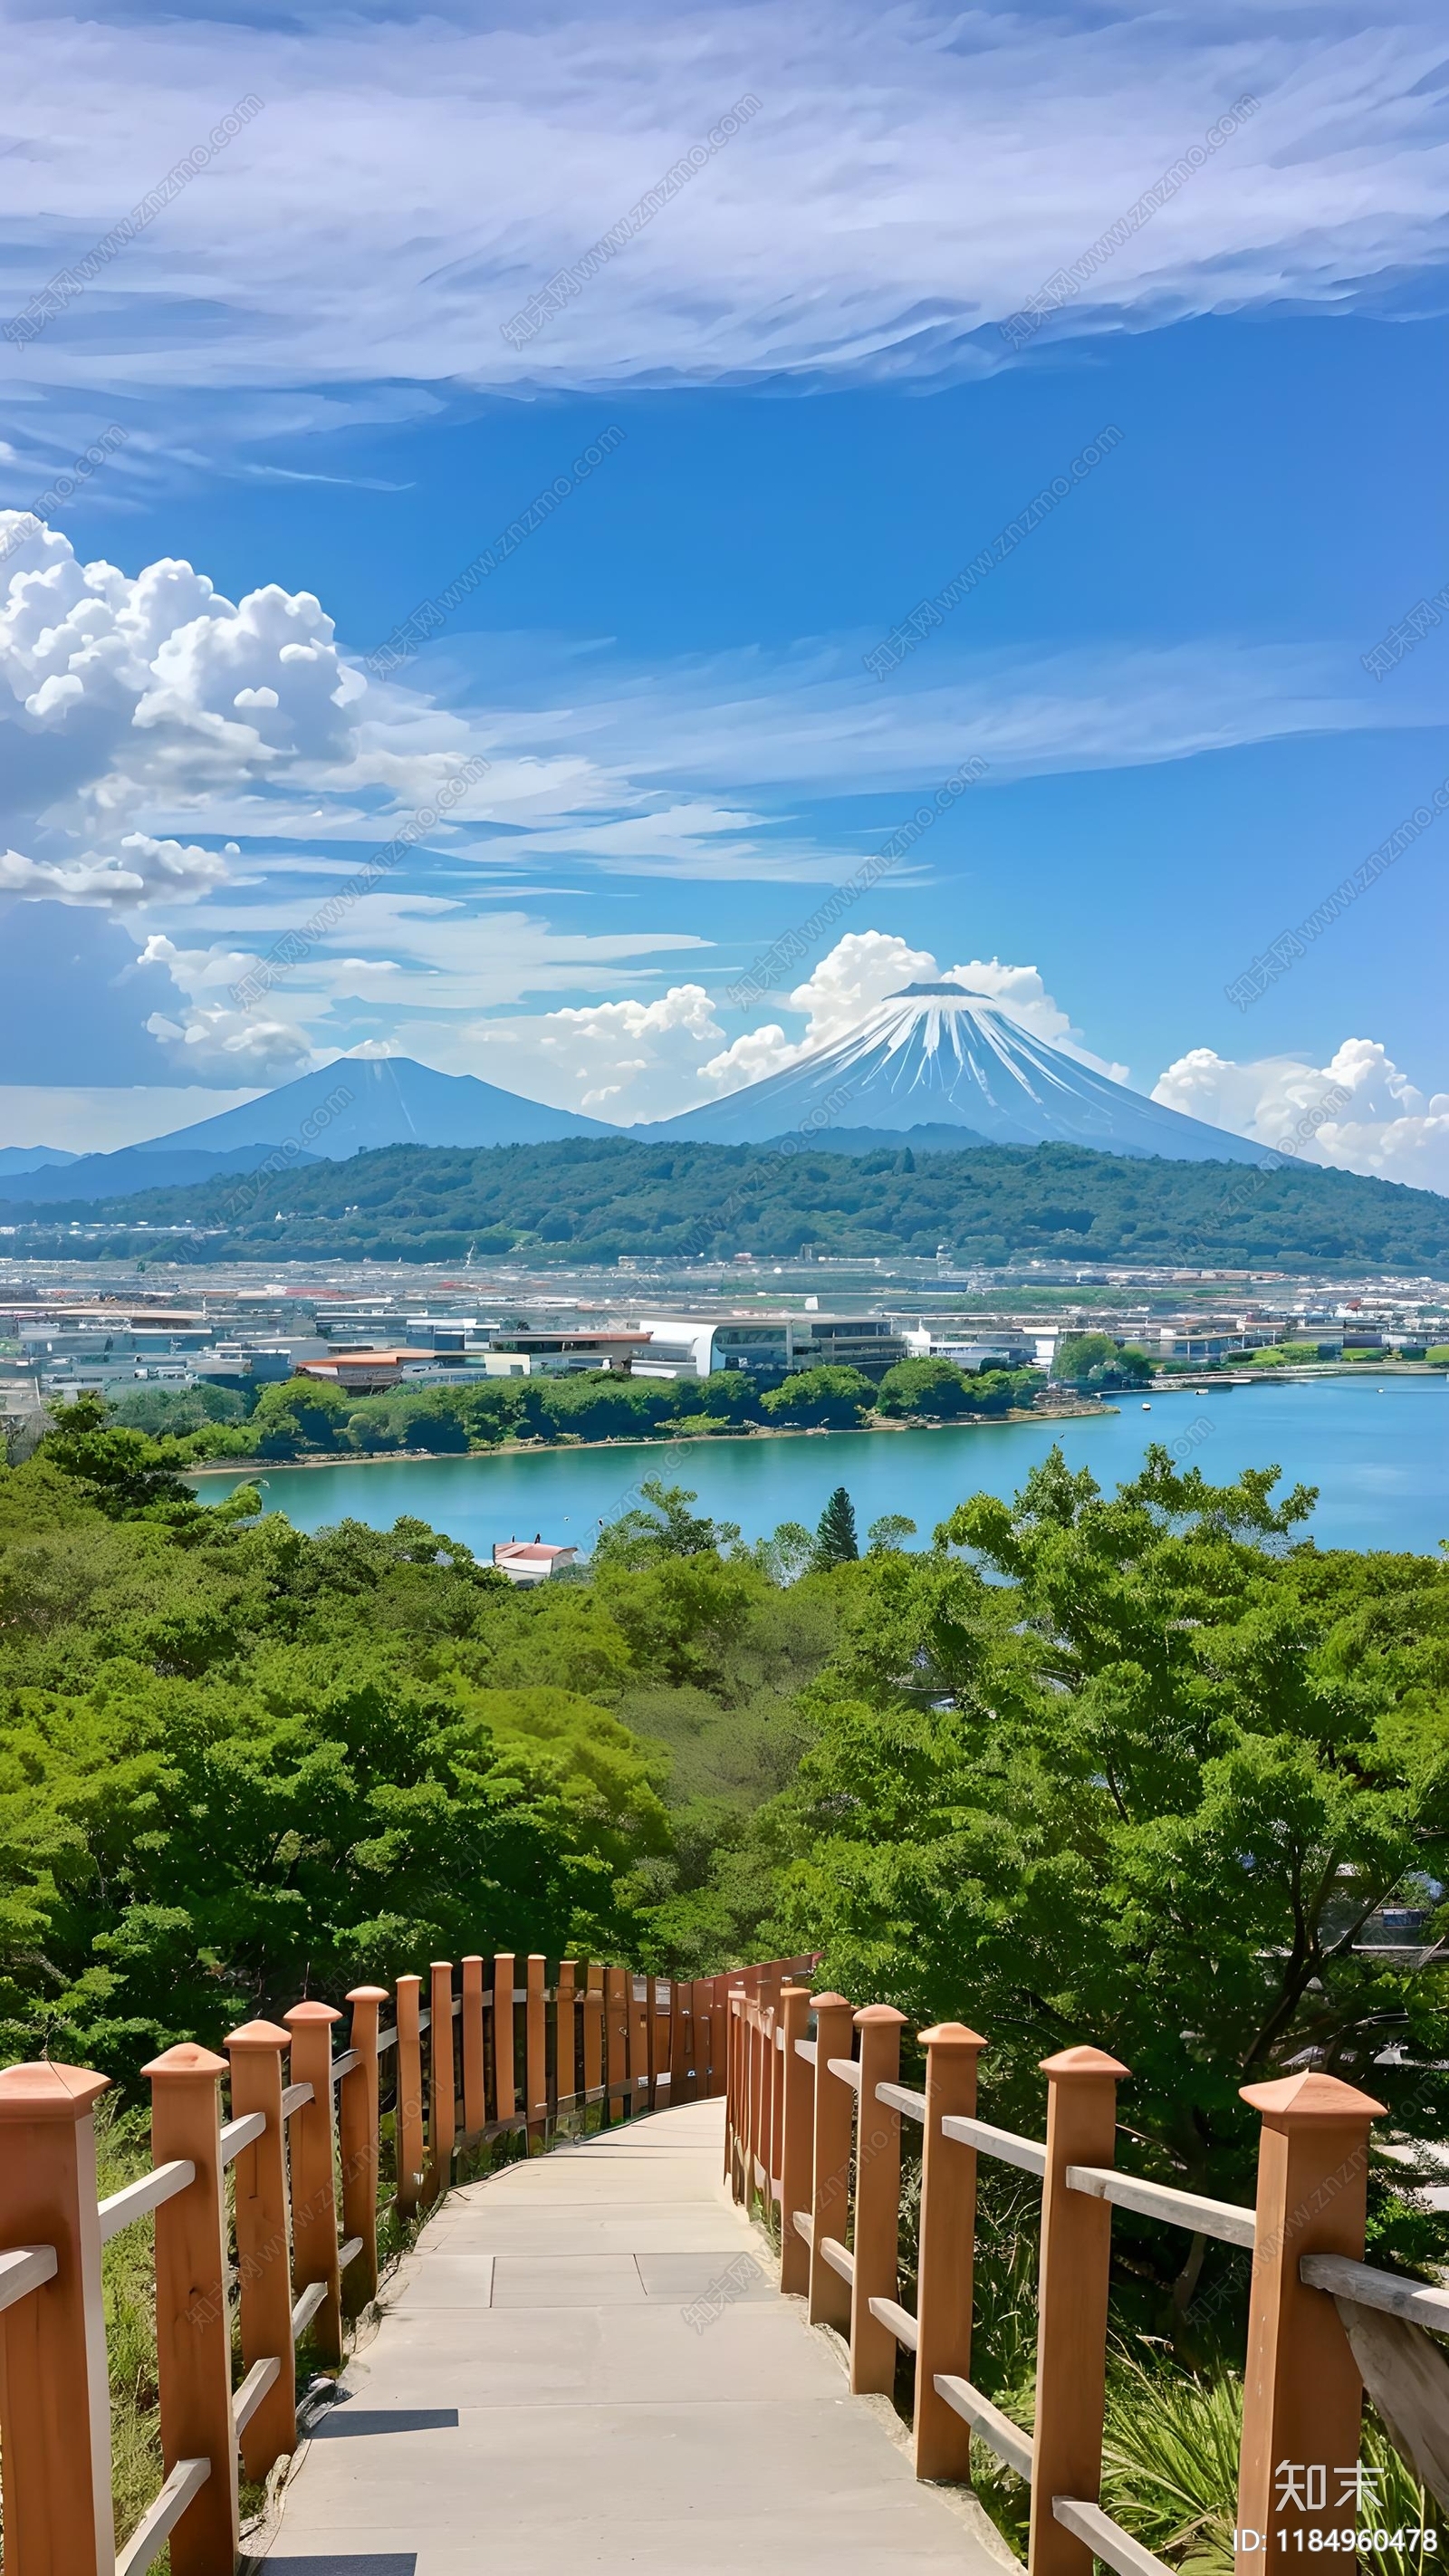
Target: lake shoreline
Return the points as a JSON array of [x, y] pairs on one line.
[[1374, 1454], [661, 1448]]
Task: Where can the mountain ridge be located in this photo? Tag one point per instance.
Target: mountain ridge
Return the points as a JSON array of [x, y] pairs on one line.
[[388, 1099], [599, 1199], [939, 1054]]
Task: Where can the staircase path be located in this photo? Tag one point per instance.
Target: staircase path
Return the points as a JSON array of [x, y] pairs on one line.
[[585, 2368]]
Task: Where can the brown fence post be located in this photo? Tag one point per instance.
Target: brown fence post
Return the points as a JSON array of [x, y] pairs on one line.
[[705, 2034], [877, 2200], [750, 2091], [442, 2077], [719, 2022], [947, 2252], [1302, 2394], [263, 2240], [357, 2121], [1076, 2254], [475, 2108], [775, 2159], [830, 2200], [594, 2039], [797, 2092], [535, 2050], [658, 2040], [566, 2038], [55, 2415], [314, 2195], [408, 2110], [638, 2009], [616, 2018], [193, 2329], [505, 2081], [681, 2050], [736, 2044]]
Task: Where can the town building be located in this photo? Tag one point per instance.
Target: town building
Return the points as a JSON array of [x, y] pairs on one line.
[[768, 1345], [530, 1561]]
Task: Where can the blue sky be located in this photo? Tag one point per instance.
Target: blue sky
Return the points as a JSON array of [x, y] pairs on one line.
[[807, 418]]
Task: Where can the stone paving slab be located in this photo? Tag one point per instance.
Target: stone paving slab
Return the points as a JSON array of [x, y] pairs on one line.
[[575, 2412]]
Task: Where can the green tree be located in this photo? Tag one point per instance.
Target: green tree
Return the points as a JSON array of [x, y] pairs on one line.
[[1095, 1359], [123, 1472], [933, 1390], [891, 1531], [829, 1398], [1138, 1772], [667, 1527], [176, 1409], [835, 1539]]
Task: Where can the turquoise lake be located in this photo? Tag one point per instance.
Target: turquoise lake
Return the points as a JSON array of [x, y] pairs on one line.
[[1376, 1448]]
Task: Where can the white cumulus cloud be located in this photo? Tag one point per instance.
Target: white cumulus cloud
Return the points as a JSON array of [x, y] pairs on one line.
[[861, 971], [211, 1036], [616, 1060], [1359, 1111]]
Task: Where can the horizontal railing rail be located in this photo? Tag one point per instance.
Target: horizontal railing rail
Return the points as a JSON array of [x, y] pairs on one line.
[[813, 2125], [287, 2251]]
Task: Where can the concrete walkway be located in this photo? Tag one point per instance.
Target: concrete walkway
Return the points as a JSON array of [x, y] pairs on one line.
[[584, 2369]]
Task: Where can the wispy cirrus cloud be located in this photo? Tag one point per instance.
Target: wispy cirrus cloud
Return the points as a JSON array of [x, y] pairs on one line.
[[852, 230]]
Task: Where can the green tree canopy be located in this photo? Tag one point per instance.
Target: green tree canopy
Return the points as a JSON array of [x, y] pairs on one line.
[[1139, 1771]]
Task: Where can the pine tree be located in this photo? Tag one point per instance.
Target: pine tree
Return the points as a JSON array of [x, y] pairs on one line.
[[835, 1539]]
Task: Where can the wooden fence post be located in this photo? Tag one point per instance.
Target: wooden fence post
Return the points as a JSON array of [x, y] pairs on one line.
[[357, 2121], [616, 2018], [797, 2095], [535, 2050], [638, 2009], [263, 2240], [314, 2195], [750, 2074], [193, 2329], [719, 2023], [408, 2110], [475, 2107], [775, 2158], [737, 2095], [681, 2047], [566, 2039], [701, 1994], [877, 2200], [1076, 2254], [55, 2414], [505, 2080], [658, 2040], [947, 2252], [442, 2077], [830, 2199], [1302, 2394], [594, 2039]]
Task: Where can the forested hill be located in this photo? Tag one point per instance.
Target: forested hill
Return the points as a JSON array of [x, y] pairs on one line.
[[593, 1199]]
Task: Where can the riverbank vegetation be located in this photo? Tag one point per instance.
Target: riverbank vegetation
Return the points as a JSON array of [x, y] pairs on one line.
[[303, 1417], [1146, 1768], [602, 1199]]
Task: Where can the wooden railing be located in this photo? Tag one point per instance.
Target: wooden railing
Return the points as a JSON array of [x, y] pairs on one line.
[[485, 2057], [813, 2135]]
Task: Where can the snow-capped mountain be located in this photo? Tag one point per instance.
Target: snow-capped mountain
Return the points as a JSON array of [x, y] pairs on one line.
[[936, 1054]]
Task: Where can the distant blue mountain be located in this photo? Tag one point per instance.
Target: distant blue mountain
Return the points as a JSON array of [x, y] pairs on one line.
[[132, 1167], [393, 1102], [348, 1108], [935, 1055], [31, 1158]]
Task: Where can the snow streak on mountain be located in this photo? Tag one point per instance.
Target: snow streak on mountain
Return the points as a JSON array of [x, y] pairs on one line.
[[937, 1055]]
